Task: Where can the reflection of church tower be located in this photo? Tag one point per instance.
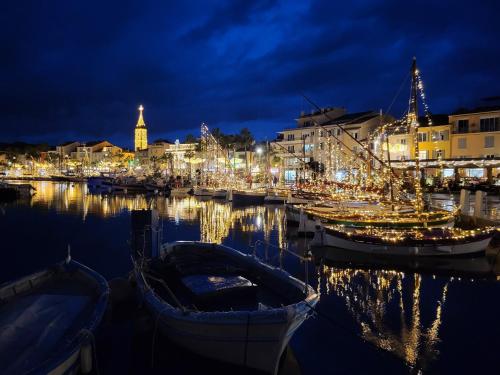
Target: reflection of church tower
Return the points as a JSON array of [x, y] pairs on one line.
[[141, 133]]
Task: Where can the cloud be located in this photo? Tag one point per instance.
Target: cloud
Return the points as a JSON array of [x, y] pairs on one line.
[[81, 69]]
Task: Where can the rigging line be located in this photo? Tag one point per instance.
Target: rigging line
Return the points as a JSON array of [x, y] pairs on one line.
[[398, 92]]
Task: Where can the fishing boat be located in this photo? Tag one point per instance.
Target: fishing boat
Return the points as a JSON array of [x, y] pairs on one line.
[[414, 242], [223, 304], [17, 190], [48, 320], [180, 191], [203, 192], [276, 196], [100, 184], [219, 194], [249, 197]]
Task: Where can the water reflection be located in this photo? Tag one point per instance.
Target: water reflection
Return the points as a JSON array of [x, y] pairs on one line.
[[401, 312], [387, 307]]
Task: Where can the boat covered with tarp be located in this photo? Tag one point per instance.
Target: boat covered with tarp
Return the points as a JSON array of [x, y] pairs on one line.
[[48, 320], [223, 304]]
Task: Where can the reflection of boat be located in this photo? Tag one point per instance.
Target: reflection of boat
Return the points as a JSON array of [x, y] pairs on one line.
[[414, 242], [248, 197], [389, 308], [478, 266], [223, 304], [47, 320]]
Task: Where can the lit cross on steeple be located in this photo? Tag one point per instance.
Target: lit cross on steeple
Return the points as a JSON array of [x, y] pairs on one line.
[[140, 121]]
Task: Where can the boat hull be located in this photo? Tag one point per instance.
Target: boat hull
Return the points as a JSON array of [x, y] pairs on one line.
[[219, 194], [333, 239], [51, 298], [248, 198], [255, 338], [180, 191], [202, 192]]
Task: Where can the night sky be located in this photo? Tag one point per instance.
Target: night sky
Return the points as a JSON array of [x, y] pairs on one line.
[[79, 69]]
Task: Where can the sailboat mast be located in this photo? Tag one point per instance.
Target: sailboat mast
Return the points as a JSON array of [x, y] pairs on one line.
[[413, 123]]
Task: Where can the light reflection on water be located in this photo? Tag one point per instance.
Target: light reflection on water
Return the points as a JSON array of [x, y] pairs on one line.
[[403, 313]]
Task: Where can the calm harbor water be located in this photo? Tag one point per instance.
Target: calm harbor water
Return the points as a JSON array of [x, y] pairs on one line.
[[372, 318]]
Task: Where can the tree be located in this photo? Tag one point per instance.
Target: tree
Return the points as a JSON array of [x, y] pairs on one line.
[[188, 155], [190, 139]]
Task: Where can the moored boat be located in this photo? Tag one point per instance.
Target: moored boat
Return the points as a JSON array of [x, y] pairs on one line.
[[178, 191], [48, 319], [202, 192], [414, 242], [223, 304], [248, 197], [219, 194]]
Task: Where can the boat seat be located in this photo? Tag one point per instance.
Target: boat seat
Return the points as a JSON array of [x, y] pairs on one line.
[[221, 291]]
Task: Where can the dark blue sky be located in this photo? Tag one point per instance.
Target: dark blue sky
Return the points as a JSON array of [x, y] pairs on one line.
[[79, 69]]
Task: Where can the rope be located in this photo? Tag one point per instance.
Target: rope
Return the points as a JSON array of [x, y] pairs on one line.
[[153, 341]]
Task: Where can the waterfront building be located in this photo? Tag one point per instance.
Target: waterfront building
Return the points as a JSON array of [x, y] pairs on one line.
[[434, 141], [65, 149], [141, 133], [475, 141], [95, 151], [158, 148], [318, 137]]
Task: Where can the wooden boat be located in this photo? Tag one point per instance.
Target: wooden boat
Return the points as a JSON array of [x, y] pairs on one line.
[[275, 196], [48, 319], [248, 197], [223, 304], [22, 190], [219, 194], [178, 191], [202, 192], [100, 184], [362, 215], [414, 242]]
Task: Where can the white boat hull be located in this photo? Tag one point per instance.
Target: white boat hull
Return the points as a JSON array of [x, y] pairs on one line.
[[322, 238]]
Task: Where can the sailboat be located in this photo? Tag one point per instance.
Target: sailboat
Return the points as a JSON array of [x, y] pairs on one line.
[[408, 234]]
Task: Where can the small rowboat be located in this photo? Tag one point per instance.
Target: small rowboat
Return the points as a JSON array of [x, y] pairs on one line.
[[48, 319], [414, 242], [223, 304]]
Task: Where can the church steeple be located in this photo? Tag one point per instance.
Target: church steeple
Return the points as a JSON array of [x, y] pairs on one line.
[[140, 121], [141, 132]]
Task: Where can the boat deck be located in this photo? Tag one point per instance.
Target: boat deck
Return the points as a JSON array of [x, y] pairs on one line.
[[208, 286]]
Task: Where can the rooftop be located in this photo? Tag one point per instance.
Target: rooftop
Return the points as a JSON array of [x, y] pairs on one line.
[[464, 111], [353, 118], [318, 112]]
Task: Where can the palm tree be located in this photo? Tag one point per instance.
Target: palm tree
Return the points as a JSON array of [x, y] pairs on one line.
[[188, 155]]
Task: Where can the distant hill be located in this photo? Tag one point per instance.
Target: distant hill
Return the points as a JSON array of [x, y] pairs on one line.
[[24, 148]]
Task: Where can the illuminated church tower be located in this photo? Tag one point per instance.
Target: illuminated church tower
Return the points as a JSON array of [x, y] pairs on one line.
[[141, 133]]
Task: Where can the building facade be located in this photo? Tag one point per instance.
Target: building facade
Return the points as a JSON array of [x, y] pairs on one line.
[[319, 137], [475, 133]]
